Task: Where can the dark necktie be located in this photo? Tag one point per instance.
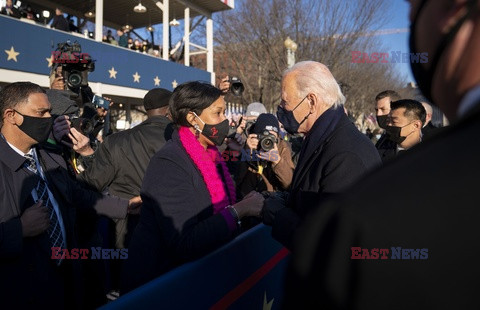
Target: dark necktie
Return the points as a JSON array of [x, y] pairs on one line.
[[54, 230]]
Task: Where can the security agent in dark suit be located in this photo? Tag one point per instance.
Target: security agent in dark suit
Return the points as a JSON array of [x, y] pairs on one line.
[[404, 128], [403, 213], [120, 162], [37, 206], [386, 147], [334, 153]]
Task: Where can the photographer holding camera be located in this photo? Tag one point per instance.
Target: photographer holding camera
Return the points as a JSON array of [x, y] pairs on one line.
[[79, 133], [270, 167]]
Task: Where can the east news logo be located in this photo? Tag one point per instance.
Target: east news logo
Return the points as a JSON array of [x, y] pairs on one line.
[[70, 58], [92, 253], [392, 253]]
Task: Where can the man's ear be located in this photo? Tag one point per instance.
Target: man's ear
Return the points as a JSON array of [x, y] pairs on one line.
[[9, 116], [417, 124], [312, 102]]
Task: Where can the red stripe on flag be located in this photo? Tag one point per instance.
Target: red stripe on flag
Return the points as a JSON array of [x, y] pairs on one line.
[[246, 285]]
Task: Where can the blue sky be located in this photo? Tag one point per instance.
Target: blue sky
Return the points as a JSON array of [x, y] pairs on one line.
[[398, 18]]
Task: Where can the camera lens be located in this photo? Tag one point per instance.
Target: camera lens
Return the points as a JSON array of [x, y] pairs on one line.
[[74, 80], [236, 86], [267, 144], [87, 127], [237, 89]]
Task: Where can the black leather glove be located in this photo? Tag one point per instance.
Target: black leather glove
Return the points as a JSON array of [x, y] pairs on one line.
[[271, 206]]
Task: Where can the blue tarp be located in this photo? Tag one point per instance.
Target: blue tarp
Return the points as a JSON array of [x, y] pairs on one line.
[[245, 274]]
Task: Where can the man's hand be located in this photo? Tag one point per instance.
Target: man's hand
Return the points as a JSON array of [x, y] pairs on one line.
[[224, 84], [272, 205], [241, 126], [102, 112], [273, 155], [58, 83], [81, 143], [35, 220], [252, 141], [134, 205]]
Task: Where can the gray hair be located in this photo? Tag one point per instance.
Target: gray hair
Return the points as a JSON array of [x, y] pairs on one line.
[[314, 77]]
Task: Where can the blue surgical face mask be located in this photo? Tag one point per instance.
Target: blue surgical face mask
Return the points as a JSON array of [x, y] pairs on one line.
[[287, 118]]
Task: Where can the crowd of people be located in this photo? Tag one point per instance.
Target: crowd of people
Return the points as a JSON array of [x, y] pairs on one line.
[[66, 23], [188, 180]]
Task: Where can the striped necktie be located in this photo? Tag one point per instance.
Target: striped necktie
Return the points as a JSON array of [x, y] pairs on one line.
[[54, 230]]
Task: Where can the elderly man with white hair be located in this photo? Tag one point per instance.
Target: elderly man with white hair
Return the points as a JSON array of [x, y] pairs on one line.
[[334, 153], [428, 128]]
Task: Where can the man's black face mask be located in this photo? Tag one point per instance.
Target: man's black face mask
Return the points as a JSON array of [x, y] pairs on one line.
[[37, 128]]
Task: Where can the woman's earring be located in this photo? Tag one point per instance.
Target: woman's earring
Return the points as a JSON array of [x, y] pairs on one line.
[[197, 130]]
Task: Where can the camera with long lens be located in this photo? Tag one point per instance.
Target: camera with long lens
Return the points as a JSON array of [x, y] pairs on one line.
[[266, 141], [236, 86], [83, 125], [75, 65]]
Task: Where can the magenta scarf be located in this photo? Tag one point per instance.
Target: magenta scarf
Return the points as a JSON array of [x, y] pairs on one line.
[[205, 161]]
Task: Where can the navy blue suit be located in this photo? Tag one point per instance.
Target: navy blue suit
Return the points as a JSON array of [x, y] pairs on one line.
[[333, 157], [29, 277], [426, 199]]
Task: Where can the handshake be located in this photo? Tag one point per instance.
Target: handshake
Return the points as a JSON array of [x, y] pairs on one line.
[[273, 203], [264, 205]]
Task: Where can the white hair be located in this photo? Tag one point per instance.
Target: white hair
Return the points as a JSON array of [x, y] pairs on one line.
[[428, 108], [314, 77]]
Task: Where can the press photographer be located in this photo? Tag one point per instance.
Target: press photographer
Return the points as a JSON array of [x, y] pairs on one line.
[[231, 85], [71, 68], [70, 71], [270, 167], [237, 138]]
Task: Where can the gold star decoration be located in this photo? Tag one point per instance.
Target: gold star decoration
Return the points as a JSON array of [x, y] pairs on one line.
[[113, 73], [50, 60], [267, 306], [12, 55], [156, 80], [136, 77], [174, 84]]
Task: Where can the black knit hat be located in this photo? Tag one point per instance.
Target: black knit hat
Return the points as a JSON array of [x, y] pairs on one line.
[[265, 121], [156, 98]]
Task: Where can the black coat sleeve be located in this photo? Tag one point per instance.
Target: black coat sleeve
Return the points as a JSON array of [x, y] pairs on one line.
[[75, 194], [189, 229], [340, 172], [11, 238], [101, 171]]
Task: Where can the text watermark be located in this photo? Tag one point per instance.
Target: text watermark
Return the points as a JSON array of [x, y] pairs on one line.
[[359, 57], [392, 253], [91, 253]]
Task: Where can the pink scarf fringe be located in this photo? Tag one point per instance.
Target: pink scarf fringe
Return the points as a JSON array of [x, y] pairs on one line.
[[205, 161]]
